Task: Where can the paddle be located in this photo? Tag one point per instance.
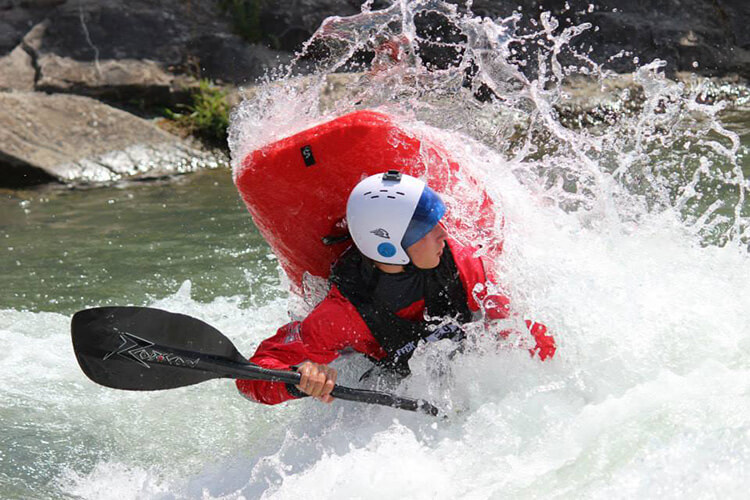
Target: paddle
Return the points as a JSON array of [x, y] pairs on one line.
[[146, 349]]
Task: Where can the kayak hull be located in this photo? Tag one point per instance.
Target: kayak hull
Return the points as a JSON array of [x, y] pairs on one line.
[[296, 188]]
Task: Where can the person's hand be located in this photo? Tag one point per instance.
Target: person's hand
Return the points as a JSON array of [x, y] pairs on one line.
[[317, 380], [496, 306]]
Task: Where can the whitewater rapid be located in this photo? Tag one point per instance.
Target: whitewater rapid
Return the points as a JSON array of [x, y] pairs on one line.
[[648, 396]]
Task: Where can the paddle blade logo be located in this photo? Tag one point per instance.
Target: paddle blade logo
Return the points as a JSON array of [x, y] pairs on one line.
[[381, 232], [141, 351]]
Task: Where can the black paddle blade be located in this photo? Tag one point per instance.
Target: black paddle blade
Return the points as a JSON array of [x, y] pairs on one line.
[[113, 346]]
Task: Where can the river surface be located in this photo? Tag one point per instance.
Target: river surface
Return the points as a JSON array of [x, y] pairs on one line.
[[628, 239]]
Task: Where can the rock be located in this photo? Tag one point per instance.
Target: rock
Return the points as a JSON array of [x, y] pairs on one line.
[[88, 46], [138, 50], [90, 30], [735, 15], [711, 33], [17, 17], [17, 70], [78, 140], [228, 58], [287, 25], [118, 80]]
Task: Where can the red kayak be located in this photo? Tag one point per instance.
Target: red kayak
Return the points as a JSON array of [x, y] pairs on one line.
[[296, 188]]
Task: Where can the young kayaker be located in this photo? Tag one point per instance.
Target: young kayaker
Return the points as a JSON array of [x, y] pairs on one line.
[[402, 269]]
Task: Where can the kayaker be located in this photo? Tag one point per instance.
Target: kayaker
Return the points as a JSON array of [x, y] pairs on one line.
[[402, 268]]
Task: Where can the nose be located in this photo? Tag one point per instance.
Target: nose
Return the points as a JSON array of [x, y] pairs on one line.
[[441, 232]]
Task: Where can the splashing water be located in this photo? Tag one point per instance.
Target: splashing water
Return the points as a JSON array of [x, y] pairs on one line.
[[627, 224], [578, 135], [626, 232]]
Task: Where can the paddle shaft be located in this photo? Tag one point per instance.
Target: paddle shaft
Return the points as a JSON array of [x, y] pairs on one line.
[[231, 369]]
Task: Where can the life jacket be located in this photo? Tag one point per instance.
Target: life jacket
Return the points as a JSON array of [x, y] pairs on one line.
[[356, 277]]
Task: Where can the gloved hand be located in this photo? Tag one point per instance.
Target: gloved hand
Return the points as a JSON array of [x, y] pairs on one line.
[[545, 344], [447, 331], [496, 307]]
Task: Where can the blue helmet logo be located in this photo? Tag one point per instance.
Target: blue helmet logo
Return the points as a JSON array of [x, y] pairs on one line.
[[386, 249]]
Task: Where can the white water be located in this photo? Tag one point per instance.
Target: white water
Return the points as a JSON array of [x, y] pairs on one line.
[[648, 396]]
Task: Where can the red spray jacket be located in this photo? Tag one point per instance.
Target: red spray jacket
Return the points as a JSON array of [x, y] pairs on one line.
[[335, 325]]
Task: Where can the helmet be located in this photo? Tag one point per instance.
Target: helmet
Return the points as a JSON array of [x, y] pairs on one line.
[[387, 213]]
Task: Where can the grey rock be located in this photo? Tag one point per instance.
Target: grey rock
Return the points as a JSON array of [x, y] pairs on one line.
[[716, 31], [228, 58], [33, 39], [78, 140], [111, 79], [140, 50], [286, 25], [84, 46], [17, 70], [17, 17], [180, 37], [87, 30], [711, 33]]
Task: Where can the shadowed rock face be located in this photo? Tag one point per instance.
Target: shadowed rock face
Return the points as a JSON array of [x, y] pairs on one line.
[[18, 17], [78, 140], [198, 37], [713, 33], [142, 50], [124, 51]]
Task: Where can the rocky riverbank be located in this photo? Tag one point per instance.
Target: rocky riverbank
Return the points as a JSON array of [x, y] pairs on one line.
[[81, 81]]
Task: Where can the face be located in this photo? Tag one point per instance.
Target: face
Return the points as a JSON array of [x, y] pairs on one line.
[[425, 253]]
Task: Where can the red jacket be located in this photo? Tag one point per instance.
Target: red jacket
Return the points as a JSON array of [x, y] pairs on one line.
[[335, 325]]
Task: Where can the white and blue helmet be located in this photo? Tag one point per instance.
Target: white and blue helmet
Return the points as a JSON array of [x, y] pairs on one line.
[[387, 213]]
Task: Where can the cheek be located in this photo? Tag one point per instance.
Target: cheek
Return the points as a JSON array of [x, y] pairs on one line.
[[425, 256], [437, 244]]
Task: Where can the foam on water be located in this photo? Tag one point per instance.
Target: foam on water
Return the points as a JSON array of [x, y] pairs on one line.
[[626, 237], [610, 234]]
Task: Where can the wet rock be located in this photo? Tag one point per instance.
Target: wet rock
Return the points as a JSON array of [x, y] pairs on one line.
[[78, 140], [88, 46], [228, 58]]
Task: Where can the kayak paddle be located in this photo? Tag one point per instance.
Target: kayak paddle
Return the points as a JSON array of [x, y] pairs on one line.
[[146, 349]]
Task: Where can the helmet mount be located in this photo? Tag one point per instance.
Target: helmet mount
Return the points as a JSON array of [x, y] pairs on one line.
[[392, 175]]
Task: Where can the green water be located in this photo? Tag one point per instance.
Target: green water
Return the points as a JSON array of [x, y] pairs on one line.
[[64, 249]]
